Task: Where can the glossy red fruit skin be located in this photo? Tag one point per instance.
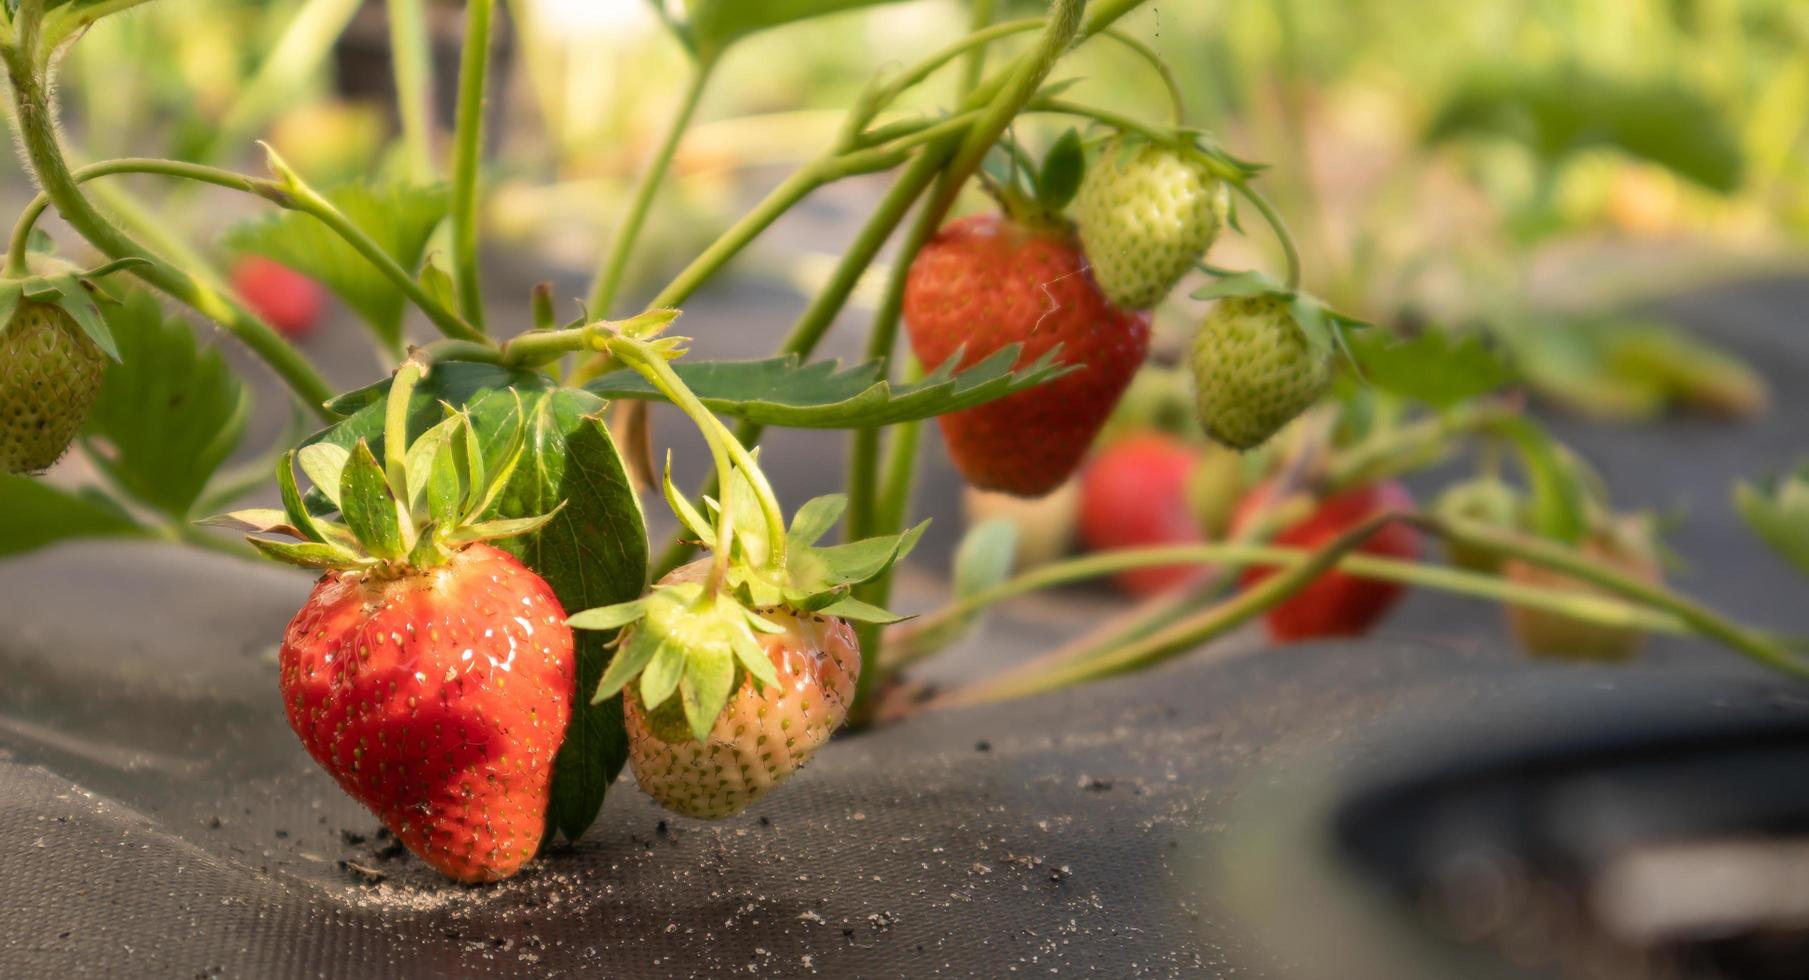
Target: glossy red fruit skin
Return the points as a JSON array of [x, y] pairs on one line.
[[1336, 604], [286, 299], [1134, 495], [439, 700], [987, 282]]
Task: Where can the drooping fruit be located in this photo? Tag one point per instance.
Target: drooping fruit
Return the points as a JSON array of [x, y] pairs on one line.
[[1627, 545], [429, 673], [1337, 604], [986, 282], [1254, 369], [438, 698], [1147, 214], [286, 299], [1134, 494], [50, 374], [766, 732]]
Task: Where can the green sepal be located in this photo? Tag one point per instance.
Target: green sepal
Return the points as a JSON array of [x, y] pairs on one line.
[[493, 530], [704, 690], [307, 554], [10, 295], [863, 561], [1063, 167], [848, 607], [255, 520], [302, 521], [423, 454], [443, 490], [324, 464], [754, 660], [370, 508], [628, 663], [815, 518], [681, 506], [661, 675], [1778, 512], [605, 618]]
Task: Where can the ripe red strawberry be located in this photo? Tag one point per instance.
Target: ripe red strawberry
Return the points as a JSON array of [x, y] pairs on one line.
[[288, 300], [438, 698], [1134, 494], [431, 674], [985, 282], [766, 732], [1628, 546], [1336, 604]]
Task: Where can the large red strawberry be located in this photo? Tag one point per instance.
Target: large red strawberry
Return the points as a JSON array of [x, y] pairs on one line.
[[766, 732], [288, 300], [1134, 494], [438, 698], [986, 282], [1336, 604], [431, 674]]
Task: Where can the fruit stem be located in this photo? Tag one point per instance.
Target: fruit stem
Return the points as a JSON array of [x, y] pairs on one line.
[[1176, 101], [36, 128], [724, 447], [974, 65], [412, 56], [1576, 605], [467, 158], [1280, 227], [1043, 675], [621, 248]]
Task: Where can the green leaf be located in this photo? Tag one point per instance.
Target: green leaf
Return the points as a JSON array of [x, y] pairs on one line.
[[369, 507], [711, 26], [1558, 508], [1062, 171], [1560, 112], [661, 676], [324, 464], [823, 395], [1436, 367], [399, 218], [593, 553], [1779, 513], [38, 514], [169, 413], [862, 561], [848, 607], [815, 518]]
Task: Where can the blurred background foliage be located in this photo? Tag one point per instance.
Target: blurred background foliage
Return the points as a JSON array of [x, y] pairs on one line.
[[1526, 170]]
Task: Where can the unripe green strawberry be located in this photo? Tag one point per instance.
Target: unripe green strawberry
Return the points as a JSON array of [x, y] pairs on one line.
[[50, 373], [1254, 369], [764, 734], [1146, 216], [1485, 500]]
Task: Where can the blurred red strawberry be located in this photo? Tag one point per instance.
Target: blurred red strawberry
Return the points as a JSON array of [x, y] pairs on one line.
[[1336, 604], [286, 299], [1134, 494]]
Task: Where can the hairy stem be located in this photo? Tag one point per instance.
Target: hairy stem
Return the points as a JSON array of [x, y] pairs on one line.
[[38, 140]]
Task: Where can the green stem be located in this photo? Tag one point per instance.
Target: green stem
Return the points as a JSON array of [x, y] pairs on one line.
[[1280, 227], [411, 56], [63, 23], [723, 444], [37, 137], [467, 158], [975, 65], [1577, 605], [1176, 101], [1115, 120], [621, 248], [1557, 558], [780, 200]]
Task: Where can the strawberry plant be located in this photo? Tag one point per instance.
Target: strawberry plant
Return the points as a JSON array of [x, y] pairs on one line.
[[493, 636]]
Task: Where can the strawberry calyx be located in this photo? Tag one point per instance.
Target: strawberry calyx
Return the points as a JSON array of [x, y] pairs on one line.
[[1322, 326], [432, 501], [74, 291]]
